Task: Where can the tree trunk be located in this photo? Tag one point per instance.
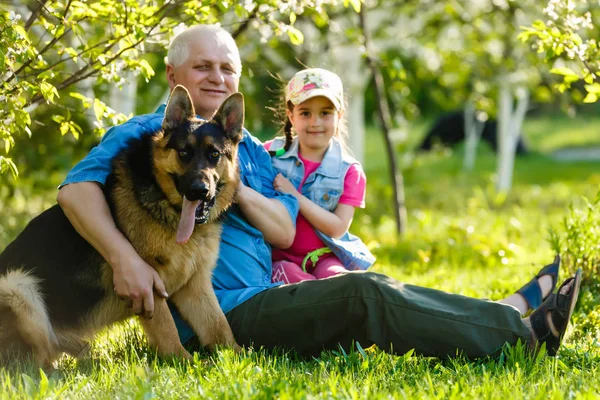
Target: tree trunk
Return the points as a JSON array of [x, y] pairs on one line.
[[473, 129], [510, 121], [386, 124]]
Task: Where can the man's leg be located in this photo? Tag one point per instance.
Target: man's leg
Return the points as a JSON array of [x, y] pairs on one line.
[[374, 309]]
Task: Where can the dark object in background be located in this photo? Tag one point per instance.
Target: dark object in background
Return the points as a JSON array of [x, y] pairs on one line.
[[449, 130]]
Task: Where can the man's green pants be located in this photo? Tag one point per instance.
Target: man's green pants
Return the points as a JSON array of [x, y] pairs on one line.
[[371, 308]]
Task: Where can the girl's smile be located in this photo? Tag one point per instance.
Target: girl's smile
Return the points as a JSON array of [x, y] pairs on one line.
[[315, 122]]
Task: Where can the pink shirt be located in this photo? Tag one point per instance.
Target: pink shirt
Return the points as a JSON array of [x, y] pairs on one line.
[[306, 240]]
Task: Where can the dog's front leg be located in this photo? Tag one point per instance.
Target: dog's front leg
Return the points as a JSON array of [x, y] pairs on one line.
[[162, 332], [198, 305]]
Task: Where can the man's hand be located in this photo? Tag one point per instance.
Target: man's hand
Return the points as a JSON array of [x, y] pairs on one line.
[[86, 208], [134, 281], [283, 184]]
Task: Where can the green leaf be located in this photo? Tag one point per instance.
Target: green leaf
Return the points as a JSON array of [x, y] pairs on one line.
[[576, 39], [356, 5], [99, 109], [591, 98], [539, 25], [48, 91], [296, 37], [21, 32], [71, 51], [43, 388], [146, 70], [86, 101], [588, 78], [58, 118], [75, 130], [564, 71], [64, 128], [593, 88], [6, 164]]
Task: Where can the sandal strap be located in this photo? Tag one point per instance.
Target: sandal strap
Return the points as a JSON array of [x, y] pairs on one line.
[[532, 293], [561, 312], [551, 270], [538, 319]]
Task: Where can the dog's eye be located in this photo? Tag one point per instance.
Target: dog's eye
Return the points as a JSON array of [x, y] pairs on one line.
[[214, 155], [184, 155]]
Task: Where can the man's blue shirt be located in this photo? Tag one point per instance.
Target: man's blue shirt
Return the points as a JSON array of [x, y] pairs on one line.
[[244, 265]]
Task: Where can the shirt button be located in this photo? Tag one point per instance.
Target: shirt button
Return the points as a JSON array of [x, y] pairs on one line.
[[325, 197], [298, 163]]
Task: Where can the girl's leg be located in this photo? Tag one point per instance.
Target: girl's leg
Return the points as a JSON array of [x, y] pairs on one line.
[[327, 267], [288, 272]]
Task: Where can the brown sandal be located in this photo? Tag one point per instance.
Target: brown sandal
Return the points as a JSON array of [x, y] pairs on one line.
[[560, 306]]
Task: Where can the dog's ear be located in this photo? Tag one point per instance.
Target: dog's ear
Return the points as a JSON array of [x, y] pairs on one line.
[[179, 108], [231, 116]]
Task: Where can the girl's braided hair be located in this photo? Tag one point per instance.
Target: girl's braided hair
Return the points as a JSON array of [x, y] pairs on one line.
[[287, 132]]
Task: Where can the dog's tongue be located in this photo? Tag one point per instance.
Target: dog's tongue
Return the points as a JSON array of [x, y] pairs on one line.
[[187, 220]]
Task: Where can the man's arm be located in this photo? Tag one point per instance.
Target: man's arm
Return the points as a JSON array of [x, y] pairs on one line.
[[86, 208], [84, 204], [272, 212], [267, 215]]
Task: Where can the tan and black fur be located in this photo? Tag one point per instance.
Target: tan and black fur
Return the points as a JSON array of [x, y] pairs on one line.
[[56, 291]]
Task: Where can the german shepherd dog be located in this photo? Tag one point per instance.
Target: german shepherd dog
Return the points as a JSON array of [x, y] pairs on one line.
[[166, 193]]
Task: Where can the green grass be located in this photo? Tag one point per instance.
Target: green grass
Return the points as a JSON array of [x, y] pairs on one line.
[[462, 237]]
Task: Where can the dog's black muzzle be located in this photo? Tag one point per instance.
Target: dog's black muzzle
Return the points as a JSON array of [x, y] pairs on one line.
[[199, 190]]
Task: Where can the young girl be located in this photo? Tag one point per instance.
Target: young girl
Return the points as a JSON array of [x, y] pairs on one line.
[[315, 167]]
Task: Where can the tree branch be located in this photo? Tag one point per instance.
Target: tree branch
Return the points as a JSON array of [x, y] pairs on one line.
[[244, 25], [589, 68], [81, 74], [35, 14], [48, 46]]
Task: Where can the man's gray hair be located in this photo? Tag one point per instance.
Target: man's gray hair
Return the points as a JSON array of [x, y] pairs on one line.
[[179, 47]]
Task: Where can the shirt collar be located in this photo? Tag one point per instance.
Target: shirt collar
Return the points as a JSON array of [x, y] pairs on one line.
[[331, 165]]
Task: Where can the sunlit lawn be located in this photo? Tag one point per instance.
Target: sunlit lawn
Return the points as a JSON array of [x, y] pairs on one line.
[[461, 237]]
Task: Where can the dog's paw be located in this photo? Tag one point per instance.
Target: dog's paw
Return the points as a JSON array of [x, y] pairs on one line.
[[237, 348], [186, 354]]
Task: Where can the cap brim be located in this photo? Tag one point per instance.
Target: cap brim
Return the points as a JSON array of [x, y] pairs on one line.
[[316, 93]]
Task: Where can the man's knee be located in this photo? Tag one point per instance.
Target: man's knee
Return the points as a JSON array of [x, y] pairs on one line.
[[361, 283]]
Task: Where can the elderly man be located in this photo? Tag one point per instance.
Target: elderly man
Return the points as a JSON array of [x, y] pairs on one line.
[[307, 317]]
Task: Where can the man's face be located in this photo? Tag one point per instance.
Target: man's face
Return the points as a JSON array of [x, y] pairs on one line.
[[210, 73]]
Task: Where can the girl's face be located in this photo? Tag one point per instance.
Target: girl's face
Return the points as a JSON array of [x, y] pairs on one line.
[[315, 121]]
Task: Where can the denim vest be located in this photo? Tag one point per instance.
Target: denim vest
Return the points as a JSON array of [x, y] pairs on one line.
[[324, 188]]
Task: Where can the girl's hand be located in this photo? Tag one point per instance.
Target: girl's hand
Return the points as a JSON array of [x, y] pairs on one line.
[[282, 184]]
